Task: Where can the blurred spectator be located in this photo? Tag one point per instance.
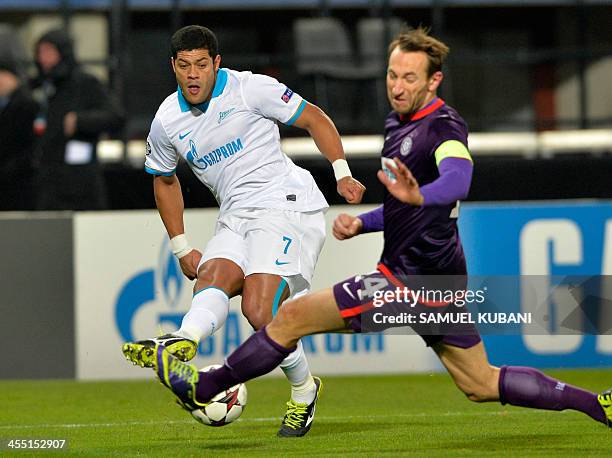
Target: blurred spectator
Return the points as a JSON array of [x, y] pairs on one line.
[[75, 109], [17, 113]]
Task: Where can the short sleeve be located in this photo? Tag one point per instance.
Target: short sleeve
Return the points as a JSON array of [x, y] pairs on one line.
[[272, 99], [161, 157]]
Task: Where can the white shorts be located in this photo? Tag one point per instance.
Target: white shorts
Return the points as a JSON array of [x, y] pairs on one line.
[[279, 242]]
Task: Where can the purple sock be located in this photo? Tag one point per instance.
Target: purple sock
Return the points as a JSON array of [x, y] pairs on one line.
[[528, 387], [258, 355]]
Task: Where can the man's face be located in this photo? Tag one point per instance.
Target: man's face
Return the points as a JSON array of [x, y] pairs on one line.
[[196, 73], [47, 56], [408, 87]]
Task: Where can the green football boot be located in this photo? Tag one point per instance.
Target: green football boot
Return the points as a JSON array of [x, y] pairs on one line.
[[142, 352], [179, 377], [605, 400], [298, 418]]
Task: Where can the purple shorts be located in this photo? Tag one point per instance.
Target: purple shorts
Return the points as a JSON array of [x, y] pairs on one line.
[[362, 302]]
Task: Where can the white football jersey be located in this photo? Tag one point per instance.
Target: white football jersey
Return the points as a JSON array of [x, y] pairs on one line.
[[232, 144]]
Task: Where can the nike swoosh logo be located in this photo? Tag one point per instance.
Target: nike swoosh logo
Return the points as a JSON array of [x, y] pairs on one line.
[[311, 416], [345, 287], [281, 263], [184, 135]]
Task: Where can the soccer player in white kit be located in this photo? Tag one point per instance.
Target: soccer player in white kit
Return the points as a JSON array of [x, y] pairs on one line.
[[271, 225]]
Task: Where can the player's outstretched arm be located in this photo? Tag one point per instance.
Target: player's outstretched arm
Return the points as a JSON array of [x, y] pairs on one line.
[[347, 226], [169, 201], [325, 135]]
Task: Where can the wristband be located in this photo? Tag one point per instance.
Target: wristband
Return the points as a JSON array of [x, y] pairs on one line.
[[341, 169], [180, 246]]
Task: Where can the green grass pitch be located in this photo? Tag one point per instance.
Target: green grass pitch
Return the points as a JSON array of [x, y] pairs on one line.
[[417, 415]]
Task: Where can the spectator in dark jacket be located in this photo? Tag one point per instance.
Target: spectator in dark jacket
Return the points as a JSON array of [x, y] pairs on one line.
[[75, 109], [17, 113]]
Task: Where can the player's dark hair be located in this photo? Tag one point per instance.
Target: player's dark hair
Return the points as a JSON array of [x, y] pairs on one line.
[[413, 40], [194, 37]]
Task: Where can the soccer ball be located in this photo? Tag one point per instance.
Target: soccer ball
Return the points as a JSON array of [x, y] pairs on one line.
[[225, 407]]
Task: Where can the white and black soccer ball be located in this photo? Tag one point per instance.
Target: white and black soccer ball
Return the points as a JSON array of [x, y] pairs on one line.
[[225, 407]]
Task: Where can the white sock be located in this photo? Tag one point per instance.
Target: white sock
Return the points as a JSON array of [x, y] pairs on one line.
[[295, 367], [208, 312]]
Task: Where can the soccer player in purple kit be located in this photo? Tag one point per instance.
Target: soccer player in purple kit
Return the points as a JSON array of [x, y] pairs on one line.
[[427, 169]]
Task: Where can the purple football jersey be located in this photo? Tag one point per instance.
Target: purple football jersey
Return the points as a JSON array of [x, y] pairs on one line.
[[422, 240]]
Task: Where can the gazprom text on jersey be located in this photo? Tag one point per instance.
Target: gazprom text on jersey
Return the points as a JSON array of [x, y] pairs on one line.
[[215, 156]]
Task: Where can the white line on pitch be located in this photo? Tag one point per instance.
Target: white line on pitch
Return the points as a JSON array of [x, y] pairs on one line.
[[259, 419]]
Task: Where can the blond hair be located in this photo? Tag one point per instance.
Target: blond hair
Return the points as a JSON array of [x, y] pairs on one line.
[[414, 40]]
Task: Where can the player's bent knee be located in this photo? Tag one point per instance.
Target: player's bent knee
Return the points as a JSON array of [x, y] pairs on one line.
[[289, 318], [220, 274], [292, 311], [257, 316], [206, 277]]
